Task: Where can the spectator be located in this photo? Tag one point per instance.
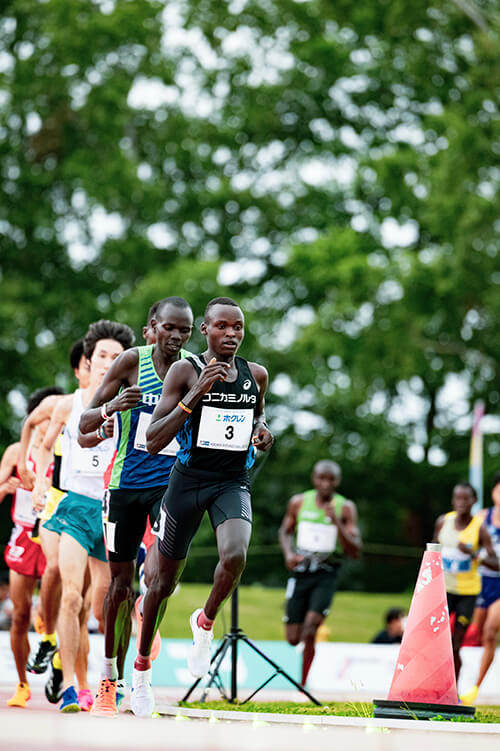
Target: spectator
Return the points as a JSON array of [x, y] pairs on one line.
[[394, 627]]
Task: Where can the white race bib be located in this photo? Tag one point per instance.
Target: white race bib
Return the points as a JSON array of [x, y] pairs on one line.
[[140, 437], [23, 510], [316, 538], [225, 429], [91, 461]]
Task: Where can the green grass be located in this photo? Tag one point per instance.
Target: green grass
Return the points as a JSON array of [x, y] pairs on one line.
[[486, 714], [355, 616]]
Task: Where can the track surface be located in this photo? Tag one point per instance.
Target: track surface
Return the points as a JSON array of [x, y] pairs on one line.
[[40, 726]]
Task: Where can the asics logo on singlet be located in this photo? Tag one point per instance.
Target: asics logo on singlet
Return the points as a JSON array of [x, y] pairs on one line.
[[247, 384], [230, 398], [150, 399]]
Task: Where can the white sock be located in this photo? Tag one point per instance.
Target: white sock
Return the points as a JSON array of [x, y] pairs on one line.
[[110, 669]]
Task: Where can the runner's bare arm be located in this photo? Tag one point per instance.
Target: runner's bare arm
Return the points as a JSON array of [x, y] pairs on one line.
[[262, 437], [349, 534], [490, 559], [286, 532], [9, 483], [122, 373], [181, 383], [437, 528], [40, 414], [58, 420]]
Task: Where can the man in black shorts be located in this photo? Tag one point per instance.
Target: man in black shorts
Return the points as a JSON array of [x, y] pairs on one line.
[[130, 390], [215, 405], [324, 524]]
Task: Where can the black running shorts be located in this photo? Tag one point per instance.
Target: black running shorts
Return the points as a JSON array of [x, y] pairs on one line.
[[462, 606], [190, 493], [125, 516], [307, 592]]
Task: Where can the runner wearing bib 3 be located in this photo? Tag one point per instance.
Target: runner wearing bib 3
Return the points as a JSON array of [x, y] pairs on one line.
[[215, 405]]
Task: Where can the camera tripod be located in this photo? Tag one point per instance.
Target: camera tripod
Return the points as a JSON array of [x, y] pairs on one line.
[[230, 641]]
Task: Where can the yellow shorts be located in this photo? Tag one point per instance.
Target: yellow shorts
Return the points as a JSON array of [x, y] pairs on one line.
[[53, 498]]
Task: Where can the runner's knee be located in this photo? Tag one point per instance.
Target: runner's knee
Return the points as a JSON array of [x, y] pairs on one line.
[[71, 600]]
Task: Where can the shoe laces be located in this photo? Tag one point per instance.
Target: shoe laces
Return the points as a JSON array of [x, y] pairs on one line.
[[104, 689]]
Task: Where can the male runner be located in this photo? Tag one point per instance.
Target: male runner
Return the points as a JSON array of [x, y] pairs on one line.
[[78, 518], [130, 390], [487, 612], [462, 535], [24, 557], [148, 331], [216, 402], [324, 524], [50, 588]]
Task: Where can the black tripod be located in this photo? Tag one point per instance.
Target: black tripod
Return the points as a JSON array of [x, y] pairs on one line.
[[230, 640]]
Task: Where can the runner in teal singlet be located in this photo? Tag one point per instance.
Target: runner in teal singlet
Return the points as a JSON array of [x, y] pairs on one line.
[[324, 525], [130, 391]]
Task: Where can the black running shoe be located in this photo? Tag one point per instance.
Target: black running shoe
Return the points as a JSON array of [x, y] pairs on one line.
[[41, 661], [53, 687]]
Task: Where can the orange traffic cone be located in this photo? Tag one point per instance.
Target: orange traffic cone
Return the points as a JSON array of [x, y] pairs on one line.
[[424, 682]]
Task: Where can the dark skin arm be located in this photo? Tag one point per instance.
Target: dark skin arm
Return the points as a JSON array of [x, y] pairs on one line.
[[287, 530], [182, 384], [347, 526], [121, 374]]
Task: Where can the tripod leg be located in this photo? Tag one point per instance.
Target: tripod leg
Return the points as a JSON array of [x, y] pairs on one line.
[[278, 670]]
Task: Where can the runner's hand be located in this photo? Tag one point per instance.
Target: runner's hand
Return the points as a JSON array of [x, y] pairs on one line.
[[108, 427], [126, 399], [292, 560], [38, 493], [27, 477], [214, 371], [262, 438], [11, 485]]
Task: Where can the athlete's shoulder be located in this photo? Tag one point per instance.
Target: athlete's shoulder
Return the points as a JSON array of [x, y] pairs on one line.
[[259, 372], [296, 501], [65, 404], [11, 454]]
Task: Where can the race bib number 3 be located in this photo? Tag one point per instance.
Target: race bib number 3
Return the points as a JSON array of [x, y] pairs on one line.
[[225, 429], [140, 437]]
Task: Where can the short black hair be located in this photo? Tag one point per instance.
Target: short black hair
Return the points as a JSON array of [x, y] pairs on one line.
[[39, 395], [329, 466], [393, 614], [75, 353], [467, 485], [177, 302], [104, 329], [220, 301], [496, 479], [152, 312]]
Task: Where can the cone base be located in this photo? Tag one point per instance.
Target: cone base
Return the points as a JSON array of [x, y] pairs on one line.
[[416, 710]]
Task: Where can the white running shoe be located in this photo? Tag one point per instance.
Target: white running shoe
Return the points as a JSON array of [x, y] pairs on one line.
[[199, 652], [142, 700]]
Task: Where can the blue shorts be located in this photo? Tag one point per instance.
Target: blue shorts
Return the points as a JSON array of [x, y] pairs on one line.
[[490, 592], [80, 517]]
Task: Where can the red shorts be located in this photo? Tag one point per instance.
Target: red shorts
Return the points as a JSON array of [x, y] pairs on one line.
[[24, 556]]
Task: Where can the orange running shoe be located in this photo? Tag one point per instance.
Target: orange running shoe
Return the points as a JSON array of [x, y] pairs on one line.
[[105, 701], [156, 646], [22, 695]]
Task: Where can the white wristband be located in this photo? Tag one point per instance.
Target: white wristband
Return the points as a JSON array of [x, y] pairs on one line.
[[104, 414]]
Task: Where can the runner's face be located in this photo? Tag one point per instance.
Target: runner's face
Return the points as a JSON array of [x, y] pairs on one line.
[[224, 329], [172, 327], [106, 350], [463, 499], [325, 483], [82, 372]]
